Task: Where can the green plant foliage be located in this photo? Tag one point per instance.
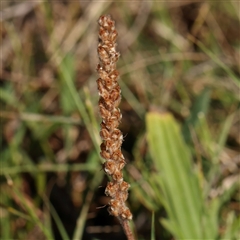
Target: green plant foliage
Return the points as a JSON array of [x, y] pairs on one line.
[[182, 56], [188, 217], [200, 105]]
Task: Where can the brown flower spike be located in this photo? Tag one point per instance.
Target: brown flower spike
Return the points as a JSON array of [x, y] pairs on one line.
[[110, 97]]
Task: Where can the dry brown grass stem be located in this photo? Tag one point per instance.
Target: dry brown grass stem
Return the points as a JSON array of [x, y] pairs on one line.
[[110, 97]]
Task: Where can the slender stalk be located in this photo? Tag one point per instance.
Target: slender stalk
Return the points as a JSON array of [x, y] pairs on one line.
[[127, 229], [110, 97]]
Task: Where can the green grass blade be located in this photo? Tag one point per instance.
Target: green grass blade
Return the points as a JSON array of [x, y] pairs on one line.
[[172, 160], [48, 167], [58, 222], [200, 106], [153, 227], [77, 101], [223, 136], [83, 215], [33, 214], [216, 60], [232, 229]]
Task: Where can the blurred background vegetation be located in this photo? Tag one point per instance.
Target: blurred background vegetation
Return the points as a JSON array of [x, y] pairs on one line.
[[179, 71]]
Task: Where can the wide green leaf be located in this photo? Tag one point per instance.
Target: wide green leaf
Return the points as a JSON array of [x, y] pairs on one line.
[[179, 183]]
